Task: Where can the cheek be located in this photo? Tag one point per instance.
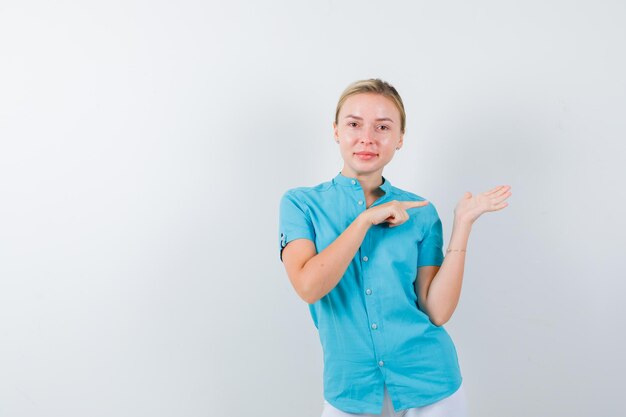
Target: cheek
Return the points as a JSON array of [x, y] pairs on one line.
[[394, 139], [347, 133], [348, 139], [387, 141], [346, 147]]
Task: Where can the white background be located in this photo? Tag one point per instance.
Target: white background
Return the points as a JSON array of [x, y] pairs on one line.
[[144, 147]]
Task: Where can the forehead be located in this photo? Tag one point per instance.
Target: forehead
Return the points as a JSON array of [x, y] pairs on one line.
[[369, 105]]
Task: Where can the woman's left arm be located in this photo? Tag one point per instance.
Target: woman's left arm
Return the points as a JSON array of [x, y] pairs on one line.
[[439, 288]]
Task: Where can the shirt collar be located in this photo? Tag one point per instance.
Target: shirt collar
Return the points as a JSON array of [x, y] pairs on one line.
[[353, 182]]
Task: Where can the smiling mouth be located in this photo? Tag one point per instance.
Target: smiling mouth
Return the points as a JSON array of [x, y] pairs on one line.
[[365, 155]]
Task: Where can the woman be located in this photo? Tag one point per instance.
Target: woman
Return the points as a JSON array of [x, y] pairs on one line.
[[368, 258]]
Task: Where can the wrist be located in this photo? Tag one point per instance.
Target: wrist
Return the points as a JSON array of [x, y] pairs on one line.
[[363, 220], [462, 226], [462, 222]]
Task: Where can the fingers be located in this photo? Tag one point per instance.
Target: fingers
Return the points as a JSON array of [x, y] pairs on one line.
[[502, 193], [497, 190], [493, 190], [501, 198], [397, 218], [413, 204], [497, 198], [392, 222], [489, 193], [500, 206], [399, 213], [397, 222]]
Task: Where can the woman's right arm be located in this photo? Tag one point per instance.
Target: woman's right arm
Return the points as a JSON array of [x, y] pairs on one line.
[[315, 275]]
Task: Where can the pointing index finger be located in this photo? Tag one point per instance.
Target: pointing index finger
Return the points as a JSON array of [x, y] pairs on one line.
[[413, 204]]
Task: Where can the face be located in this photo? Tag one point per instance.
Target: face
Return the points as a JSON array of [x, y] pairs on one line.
[[368, 130]]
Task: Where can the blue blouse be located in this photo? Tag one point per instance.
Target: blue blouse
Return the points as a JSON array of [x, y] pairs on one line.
[[371, 329]]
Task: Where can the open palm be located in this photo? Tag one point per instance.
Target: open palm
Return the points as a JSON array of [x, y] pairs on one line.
[[470, 207]]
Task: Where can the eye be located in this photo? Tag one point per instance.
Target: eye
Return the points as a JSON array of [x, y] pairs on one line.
[[383, 127], [352, 124]]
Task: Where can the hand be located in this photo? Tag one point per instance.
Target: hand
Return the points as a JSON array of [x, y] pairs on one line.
[[393, 212], [471, 207]]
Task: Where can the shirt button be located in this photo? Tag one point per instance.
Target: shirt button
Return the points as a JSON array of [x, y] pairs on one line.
[[360, 202], [353, 182], [381, 363], [365, 259], [368, 291], [374, 326]]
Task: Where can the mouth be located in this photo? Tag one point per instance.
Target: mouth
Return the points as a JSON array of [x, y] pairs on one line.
[[365, 156]]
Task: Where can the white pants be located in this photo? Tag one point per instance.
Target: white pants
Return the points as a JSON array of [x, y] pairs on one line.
[[452, 406]]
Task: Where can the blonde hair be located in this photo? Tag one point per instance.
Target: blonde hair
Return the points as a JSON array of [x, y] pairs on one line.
[[376, 86]]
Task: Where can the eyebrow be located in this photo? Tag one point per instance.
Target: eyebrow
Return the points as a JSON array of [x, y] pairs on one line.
[[382, 119]]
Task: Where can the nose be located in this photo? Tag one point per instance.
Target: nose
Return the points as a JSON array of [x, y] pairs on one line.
[[367, 137]]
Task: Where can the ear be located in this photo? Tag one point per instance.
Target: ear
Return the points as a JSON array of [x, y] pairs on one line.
[[401, 141], [336, 131]]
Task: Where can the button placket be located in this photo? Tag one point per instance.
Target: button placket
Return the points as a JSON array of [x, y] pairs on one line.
[[359, 195], [370, 302]]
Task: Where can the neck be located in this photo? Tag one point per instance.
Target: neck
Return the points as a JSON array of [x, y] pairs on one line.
[[369, 182]]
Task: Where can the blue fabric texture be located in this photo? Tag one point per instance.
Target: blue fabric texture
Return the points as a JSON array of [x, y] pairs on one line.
[[370, 327]]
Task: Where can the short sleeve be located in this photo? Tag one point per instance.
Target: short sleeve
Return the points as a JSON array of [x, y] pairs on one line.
[[294, 221], [430, 248]]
